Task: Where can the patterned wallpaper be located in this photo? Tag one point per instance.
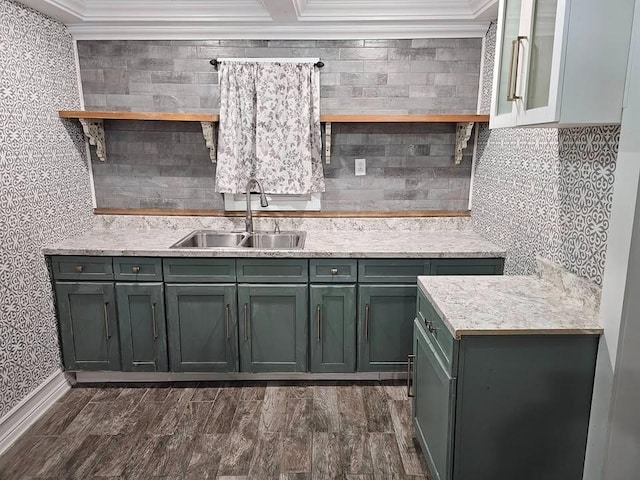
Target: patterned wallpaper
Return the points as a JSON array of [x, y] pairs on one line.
[[544, 191], [44, 190]]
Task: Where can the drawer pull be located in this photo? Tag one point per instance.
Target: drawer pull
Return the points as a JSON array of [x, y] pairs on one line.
[[319, 321], [366, 322], [79, 269], [334, 271], [106, 320], [135, 270], [226, 319], [246, 322], [154, 322], [409, 371]]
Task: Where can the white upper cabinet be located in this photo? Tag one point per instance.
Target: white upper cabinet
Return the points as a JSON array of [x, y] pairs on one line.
[[560, 62]]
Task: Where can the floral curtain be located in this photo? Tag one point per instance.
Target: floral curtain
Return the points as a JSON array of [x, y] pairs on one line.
[[269, 128]]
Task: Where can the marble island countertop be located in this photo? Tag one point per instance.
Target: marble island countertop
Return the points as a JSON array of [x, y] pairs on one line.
[[507, 305], [354, 244]]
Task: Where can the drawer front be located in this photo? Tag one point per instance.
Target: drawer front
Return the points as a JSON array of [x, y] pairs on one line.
[[137, 269], [333, 271], [82, 268], [193, 270], [467, 266], [444, 343], [256, 270], [392, 271]]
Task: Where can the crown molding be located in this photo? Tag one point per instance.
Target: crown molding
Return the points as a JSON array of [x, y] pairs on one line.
[[263, 31], [65, 11], [269, 19]]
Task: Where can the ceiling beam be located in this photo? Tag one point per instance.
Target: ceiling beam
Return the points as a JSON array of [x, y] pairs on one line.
[[285, 10]]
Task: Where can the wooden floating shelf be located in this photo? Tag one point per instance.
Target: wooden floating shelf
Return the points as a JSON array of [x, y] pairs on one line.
[[404, 118], [93, 125], [165, 116], [338, 118], [283, 214]]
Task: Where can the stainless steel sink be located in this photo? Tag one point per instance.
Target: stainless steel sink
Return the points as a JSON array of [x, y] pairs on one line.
[[210, 239], [283, 240], [264, 240]]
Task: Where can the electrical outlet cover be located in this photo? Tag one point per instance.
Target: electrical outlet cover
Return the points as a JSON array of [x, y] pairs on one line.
[[361, 166]]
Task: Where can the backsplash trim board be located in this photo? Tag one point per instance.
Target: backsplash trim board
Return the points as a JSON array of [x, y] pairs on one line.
[[281, 214]]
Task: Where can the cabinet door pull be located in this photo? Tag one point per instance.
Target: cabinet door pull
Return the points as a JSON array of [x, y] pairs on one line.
[[226, 319], [431, 328], [135, 270], [513, 69], [409, 371], [319, 321], [154, 322], [106, 320], [334, 271], [79, 269], [246, 322], [366, 322]]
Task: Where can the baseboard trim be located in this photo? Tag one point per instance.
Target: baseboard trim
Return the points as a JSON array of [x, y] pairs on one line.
[[32, 407], [105, 377]]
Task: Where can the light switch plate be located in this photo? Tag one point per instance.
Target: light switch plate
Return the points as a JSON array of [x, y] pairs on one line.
[[361, 166]]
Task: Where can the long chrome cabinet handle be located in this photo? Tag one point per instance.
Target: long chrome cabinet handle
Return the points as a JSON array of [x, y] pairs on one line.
[[226, 319], [154, 322], [513, 69], [246, 322], [366, 322], [106, 320], [409, 370], [319, 321]]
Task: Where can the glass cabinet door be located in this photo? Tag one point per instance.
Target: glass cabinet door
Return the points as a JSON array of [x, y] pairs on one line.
[[541, 50], [503, 112]]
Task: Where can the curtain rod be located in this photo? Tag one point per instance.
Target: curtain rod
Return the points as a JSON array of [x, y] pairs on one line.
[[215, 62]]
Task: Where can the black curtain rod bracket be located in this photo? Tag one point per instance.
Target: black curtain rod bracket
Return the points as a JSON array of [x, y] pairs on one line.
[[215, 63]]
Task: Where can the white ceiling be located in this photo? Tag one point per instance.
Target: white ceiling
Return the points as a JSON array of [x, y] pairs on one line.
[[269, 19]]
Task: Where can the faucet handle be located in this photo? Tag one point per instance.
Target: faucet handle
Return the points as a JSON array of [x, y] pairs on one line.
[[276, 225]]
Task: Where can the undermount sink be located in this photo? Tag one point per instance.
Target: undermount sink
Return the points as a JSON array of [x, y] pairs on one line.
[[263, 240]]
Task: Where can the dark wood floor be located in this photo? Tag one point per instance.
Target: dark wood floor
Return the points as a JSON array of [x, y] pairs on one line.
[[222, 431]]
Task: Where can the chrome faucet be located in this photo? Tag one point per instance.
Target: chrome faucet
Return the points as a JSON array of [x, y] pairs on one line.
[[263, 203]]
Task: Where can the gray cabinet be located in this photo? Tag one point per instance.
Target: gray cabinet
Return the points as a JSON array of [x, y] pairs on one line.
[[88, 326], [202, 327], [332, 338], [434, 409], [273, 327], [385, 319], [501, 406], [143, 336]]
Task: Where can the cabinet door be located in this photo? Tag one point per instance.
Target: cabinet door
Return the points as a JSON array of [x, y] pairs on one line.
[[273, 328], [385, 319], [333, 328], [202, 328], [433, 406], [542, 57], [143, 335], [505, 88], [88, 326]]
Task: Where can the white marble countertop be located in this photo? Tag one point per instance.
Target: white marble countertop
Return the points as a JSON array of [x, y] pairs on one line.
[[354, 244], [506, 305]]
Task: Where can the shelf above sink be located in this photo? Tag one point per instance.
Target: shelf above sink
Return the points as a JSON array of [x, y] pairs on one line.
[[293, 240]]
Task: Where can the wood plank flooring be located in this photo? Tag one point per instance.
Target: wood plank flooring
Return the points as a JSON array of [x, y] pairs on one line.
[[216, 430]]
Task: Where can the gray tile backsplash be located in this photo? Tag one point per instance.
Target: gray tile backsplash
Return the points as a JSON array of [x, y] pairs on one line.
[[162, 75], [166, 164]]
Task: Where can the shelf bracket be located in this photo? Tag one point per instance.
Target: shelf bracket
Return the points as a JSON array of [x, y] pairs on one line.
[[210, 138], [463, 134], [327, 143], [94, 131]]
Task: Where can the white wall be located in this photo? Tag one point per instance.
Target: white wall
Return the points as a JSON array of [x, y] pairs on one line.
[[613, 450]]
